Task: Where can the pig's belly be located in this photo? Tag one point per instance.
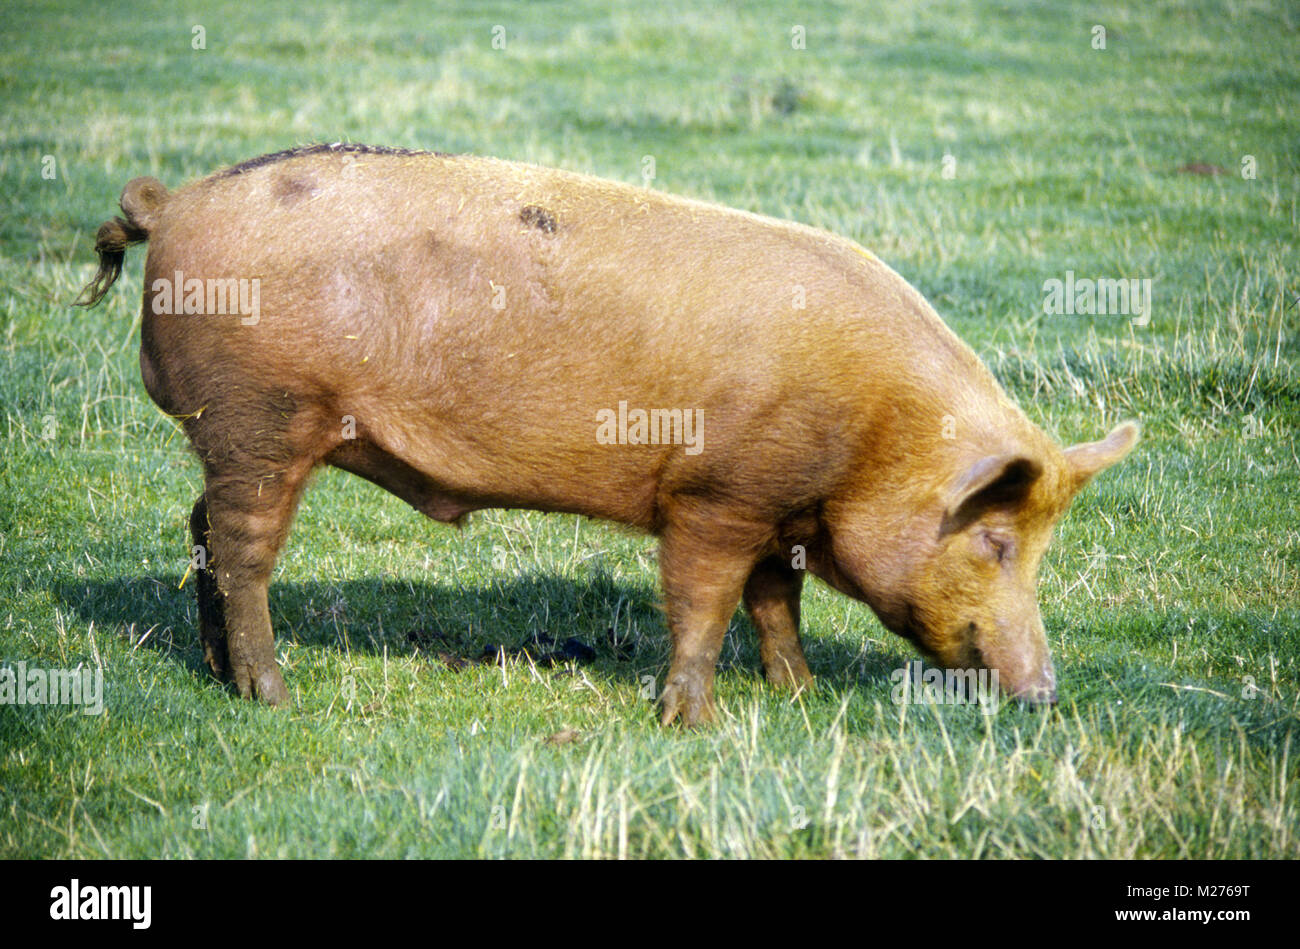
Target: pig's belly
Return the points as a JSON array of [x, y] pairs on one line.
[[444, 481]]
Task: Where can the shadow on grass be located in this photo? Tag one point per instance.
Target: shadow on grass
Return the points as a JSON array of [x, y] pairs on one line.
[[620, 625], [622, 630]]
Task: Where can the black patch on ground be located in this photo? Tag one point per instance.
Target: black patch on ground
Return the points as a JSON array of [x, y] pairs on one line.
[[544, 650], [538, 217], [340, 148]]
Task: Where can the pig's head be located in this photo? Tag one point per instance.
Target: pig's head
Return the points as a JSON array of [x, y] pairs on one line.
[[955, 571]]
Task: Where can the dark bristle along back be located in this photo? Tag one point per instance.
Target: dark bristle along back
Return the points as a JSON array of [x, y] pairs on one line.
[[340, 148]]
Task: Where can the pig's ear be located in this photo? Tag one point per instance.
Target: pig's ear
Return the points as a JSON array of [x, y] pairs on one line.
[[993, 481], [1090, 458]]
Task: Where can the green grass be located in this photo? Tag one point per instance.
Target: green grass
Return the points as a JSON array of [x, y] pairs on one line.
[[1171, 595]]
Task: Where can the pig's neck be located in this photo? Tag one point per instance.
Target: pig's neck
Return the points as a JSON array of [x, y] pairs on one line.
[[940, 411]]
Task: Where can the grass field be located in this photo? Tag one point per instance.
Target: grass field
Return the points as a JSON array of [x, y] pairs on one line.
[[1171, 596]]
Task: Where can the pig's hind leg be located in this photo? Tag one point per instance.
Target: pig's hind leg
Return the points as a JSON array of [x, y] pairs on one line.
[[704, 564], [257, 454], [212, 620], [772, 598], [247, 523]]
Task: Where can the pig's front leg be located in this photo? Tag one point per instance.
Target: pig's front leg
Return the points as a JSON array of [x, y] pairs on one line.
[[704, 571], [772, 598]]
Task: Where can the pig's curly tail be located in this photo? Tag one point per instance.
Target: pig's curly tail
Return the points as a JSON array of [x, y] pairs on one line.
[[141, 200]]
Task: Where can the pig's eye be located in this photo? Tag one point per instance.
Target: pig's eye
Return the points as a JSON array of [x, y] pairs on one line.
[[996, 547]]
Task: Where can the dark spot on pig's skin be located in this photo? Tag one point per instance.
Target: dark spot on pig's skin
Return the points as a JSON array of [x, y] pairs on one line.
[[539, 218], [290, 190]]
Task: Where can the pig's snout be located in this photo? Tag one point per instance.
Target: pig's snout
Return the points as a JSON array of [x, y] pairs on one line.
[[1023, 664], [1041, 690]]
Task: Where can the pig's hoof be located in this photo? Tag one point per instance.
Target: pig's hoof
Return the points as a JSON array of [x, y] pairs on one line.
[[790, 674], [688, 699], [266, 685], [270, 688]]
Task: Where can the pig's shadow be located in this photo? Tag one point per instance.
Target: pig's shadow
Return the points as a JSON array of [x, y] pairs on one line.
[[622, 623]]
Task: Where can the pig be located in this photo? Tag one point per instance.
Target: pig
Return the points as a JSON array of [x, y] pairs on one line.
[[473, 333]]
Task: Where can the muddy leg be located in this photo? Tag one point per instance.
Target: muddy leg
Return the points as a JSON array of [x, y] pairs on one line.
[[703, 576], [212, 621], [248, 519], [772, 598]]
